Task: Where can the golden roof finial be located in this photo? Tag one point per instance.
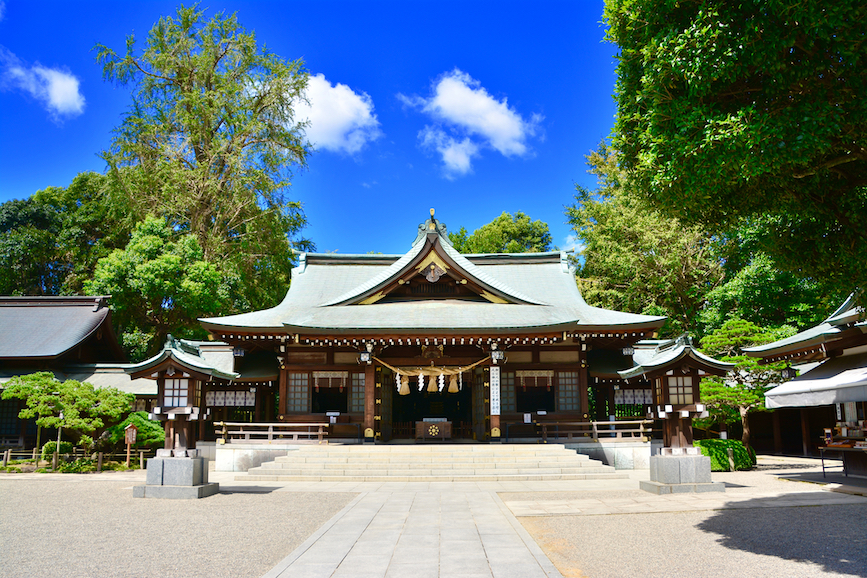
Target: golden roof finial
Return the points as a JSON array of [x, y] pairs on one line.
[[431, 212]]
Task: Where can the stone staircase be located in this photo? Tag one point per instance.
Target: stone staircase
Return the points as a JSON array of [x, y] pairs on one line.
[[431, 463]]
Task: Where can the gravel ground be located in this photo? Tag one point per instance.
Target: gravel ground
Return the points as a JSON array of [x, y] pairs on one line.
[[51, 527], [749, 542], [803, 542]]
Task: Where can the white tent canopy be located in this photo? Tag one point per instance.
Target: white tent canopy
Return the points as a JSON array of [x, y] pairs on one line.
[[836, 380]]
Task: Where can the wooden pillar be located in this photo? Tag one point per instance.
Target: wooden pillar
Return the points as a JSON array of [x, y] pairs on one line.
[[169, 428], [805, 431], [202, 411], [369, 396], [583, 384], [778, 438], [257, 413], [284, 386]]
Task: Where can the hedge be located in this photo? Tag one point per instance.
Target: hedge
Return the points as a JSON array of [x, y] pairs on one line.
[[717, 451]]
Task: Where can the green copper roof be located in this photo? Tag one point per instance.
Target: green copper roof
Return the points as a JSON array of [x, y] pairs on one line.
[[541, 286], [847, 315], [670, 354], [185, 355]]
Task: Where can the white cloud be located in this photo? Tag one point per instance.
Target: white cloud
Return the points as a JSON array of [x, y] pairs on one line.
[[474, 119], [56, 89], [2, 9], [340, 119], [457, 155], [572, 244]]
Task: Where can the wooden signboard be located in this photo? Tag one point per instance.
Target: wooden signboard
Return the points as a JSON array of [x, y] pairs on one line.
[[129, 434]]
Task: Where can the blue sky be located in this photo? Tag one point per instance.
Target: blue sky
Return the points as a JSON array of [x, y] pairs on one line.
[[470, 107]]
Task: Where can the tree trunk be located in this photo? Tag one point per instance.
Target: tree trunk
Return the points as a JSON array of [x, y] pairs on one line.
[[745, 421]]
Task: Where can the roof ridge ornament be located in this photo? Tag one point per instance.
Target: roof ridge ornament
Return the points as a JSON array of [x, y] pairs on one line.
[[432, 227]]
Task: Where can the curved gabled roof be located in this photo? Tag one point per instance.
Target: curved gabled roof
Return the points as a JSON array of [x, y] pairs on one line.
[[185, 356], [531, 291], [670, 355], [848, 314], [48, 327]]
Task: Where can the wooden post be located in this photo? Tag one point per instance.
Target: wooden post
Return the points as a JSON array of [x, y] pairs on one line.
[[6, 458], [99, 462], [369, 396], [583, 397], [778, 438], [284, 388], [805, 431], [141, 460]]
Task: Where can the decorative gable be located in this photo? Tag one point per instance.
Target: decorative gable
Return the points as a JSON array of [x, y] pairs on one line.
[[433, 270]]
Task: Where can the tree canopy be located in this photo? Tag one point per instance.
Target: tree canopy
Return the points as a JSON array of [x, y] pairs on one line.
[[50, 243], [72, 405], [751, 109], [634, 257], [507, 233], [742, 391], [210, 142], [159, 284]]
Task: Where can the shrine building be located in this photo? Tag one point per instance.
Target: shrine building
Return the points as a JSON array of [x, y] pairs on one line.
[[380, 343]]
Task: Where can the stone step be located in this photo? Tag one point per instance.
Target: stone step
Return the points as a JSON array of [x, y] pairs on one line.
[[430, 459], [429, 465], [355, 471], [432, 478]]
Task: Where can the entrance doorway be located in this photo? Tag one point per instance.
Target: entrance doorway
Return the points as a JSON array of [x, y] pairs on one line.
[[456, 408]]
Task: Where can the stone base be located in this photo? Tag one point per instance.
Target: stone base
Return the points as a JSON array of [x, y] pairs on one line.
[[674, 474], [177, 479], [176, 492], [660, 488]]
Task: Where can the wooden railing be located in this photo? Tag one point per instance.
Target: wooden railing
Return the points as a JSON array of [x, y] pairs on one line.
[[621, 430], [239, 431]]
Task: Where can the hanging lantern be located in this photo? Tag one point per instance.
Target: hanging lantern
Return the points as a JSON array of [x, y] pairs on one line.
[[453, 383], [404, 385]]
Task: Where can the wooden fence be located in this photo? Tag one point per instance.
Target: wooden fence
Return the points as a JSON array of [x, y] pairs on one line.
[[240, 431], [620, 430]]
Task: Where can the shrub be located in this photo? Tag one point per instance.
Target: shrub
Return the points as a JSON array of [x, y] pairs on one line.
[[49, 447], [717, 451], [150, 433]]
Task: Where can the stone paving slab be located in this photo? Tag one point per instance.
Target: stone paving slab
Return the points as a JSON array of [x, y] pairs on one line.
[[460, 534]]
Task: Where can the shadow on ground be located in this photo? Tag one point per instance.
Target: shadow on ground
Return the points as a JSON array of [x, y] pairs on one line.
[[247, 489], [830, 536], [765, 467]]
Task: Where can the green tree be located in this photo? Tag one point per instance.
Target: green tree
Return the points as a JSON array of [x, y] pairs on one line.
[[635, 258], [91, 226], [150, 433], [50, 243], [209, 143], [159, 284], [751, 109], [84, 408], [741, 392], [506, 234], [28, 255], [767, 296]]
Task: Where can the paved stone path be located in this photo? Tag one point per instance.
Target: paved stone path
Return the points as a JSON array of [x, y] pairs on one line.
[[420, 534]]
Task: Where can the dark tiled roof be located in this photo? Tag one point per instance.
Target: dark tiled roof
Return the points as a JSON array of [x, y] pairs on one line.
[[47, 327]]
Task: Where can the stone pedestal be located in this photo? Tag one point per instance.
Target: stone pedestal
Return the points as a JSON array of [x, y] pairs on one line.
[[177, 479], [673, 474]]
